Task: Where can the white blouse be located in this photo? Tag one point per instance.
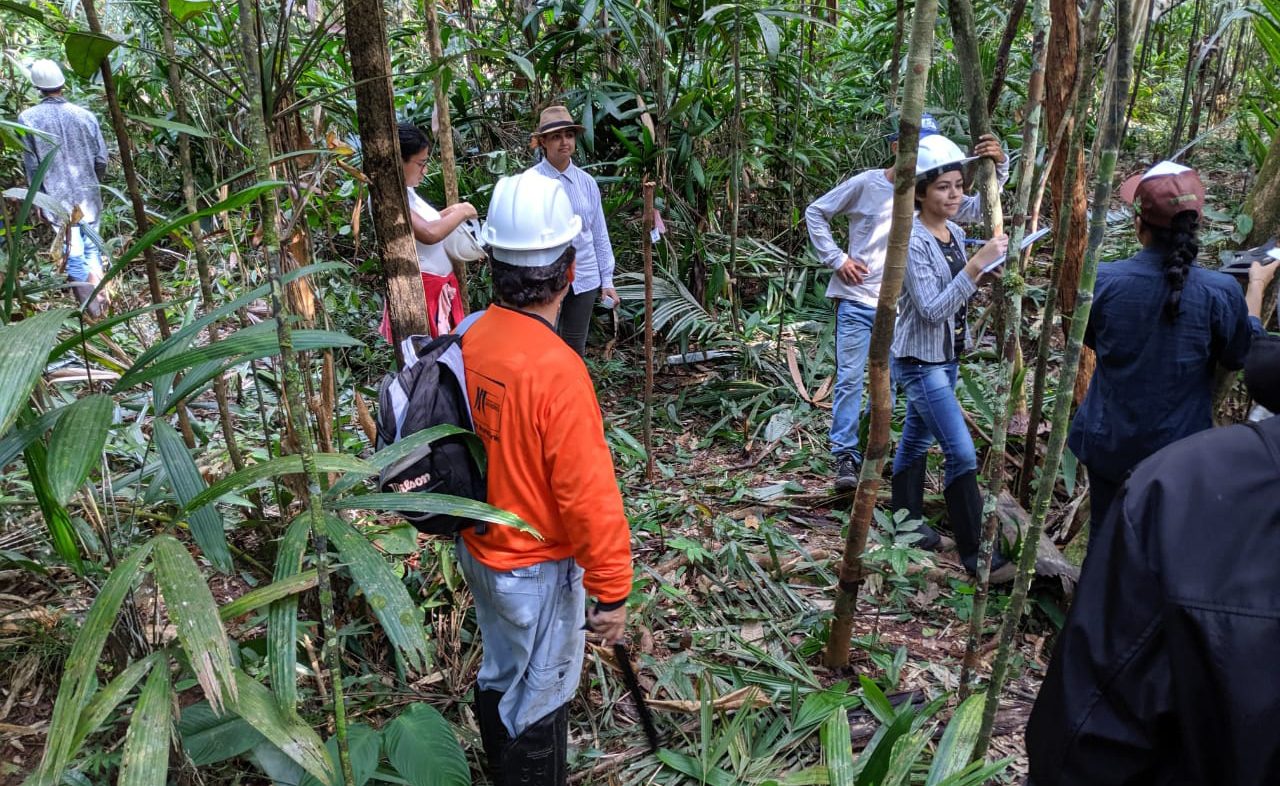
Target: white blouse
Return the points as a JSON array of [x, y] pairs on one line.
[[431, 258]]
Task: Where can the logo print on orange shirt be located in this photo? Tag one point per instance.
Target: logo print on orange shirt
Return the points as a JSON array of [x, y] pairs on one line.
[[486, 404]]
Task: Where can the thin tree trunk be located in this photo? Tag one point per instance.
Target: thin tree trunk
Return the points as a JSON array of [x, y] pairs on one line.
[[444, 136], [895, 64], [197, 234], [735, 175], [1263, 202], [380, 159], [964, 34], [291, 383], [1112, 128], [1002, 57], [1175, 138], [904, 185], [135, 199], [1082, 94], [1013, 289], [646, 246]]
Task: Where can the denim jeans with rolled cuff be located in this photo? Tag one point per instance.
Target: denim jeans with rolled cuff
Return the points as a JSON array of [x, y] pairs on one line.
[[933, 415], [532, 637], [853, 341]]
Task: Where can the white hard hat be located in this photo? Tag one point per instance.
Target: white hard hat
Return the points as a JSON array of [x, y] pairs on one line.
[[938, 152], [463, 244], [531, 220], [46, 75]]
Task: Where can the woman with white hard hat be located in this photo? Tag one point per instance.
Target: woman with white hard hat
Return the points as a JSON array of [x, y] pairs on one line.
[[1161, 325], [440, 237], [929, 339]]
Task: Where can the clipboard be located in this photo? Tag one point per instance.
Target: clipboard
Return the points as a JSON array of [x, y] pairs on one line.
[[1026, 243]]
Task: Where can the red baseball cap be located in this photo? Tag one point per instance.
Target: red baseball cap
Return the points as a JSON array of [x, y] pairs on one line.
[[1164, 191]]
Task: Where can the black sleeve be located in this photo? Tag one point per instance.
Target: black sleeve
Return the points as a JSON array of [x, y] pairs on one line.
[[1106, 697]]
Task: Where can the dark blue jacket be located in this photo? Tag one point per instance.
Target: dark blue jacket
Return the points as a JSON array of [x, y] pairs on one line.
[[1154, 379]]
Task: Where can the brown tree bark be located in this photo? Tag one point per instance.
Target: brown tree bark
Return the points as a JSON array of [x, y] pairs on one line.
[[380, 159], [1002, 57], [1263, 204], [444, 137], [1060, 75]]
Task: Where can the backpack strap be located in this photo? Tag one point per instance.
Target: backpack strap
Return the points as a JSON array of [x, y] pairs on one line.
[[468, 321]]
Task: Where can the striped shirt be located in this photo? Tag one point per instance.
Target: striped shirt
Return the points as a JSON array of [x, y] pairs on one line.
[[80, 158], [594, 262], [931, 297]]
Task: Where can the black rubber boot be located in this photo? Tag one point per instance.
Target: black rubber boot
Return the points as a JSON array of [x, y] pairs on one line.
[[964, 509], [908, 494], [538, 757], [493, 733]]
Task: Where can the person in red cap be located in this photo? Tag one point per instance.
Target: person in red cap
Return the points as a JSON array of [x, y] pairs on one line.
[[1160, 325]]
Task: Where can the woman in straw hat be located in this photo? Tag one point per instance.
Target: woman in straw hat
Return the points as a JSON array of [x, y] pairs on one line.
[[1160, 325], [557, 137]]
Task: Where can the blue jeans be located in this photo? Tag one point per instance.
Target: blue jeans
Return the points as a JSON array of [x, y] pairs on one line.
[[933, 414], [532, 628], [83, 255], [853, 341]]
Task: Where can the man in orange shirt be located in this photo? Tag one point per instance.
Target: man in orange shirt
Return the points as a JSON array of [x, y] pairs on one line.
[[536, 411]]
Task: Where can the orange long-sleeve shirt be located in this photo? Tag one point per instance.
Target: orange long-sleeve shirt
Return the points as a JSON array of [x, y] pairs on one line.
[[536, 411]]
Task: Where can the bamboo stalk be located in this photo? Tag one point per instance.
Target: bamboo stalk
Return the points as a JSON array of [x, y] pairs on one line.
[[646, 246], [1082, 93], [444, 136], [864, 501], [1112, 128], [1014, 287], [291, 382], [140, 219]]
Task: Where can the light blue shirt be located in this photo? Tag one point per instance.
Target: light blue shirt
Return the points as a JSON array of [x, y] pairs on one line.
[[594, 262]]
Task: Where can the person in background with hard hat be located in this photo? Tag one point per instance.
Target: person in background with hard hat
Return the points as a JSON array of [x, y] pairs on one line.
[[1163, 672], [72, 180], [432, 232], [1160, 325], [930, 337], [557, 137], [535, 409], [866, 200]]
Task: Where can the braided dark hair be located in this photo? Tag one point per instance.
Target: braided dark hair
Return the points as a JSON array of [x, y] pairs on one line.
[[1180, 246]]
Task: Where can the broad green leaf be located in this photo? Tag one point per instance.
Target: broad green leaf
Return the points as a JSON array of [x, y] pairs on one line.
[[879, 754], [524, 65], [40, 199], [392, 453], [875, 700], [400, 616], [687, 765], [24, 212], [246, 344], [818, 705], [263, 596], [281, 465], [171, 125], [89, 331], [209, 738], [75, 446], [195, 615], [422, 747], [56, 518], [365, 746], [282, 770], [294, 738], [187, 483], [24, 349], [24, 9], [435, 503], [185, 9], [81, 666], [955, 749], [837, 747], [977, 773], [145, 761], [282, 618], [86, 51], [105, 701], [28, 430], [153, 235], [769, 33]]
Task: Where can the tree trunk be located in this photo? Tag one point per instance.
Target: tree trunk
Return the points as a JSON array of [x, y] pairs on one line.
[[965, 37], [140, 218], [895, 64], [1002, 57], [380, 159], [291, 382], [197, 234], [904, 186], [1013, 287], [1263, 203], [444, 137], [1111, 130], [1188, 75]]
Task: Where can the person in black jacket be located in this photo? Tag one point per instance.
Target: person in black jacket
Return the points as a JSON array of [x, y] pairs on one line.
[[1165, 670]]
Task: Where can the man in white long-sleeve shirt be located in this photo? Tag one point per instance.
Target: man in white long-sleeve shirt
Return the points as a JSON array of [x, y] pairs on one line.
[[866, 199]]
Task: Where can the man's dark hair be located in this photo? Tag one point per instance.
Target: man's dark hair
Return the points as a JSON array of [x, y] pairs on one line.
[[530, 286], [413, 140], [52, 91]]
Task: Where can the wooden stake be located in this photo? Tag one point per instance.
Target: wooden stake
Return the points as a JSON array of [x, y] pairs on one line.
[[646, 245]]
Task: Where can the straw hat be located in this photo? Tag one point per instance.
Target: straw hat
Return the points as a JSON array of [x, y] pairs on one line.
[[554, 118]]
